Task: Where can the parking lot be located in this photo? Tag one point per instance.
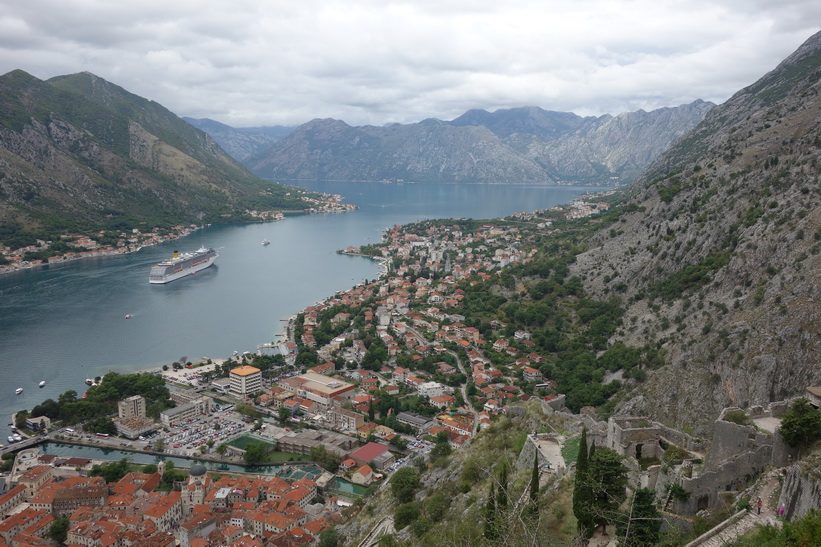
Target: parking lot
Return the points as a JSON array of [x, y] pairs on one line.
[[199, 435]]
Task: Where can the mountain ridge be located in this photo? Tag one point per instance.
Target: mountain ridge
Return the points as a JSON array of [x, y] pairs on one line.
[[79, 154], [720, 260], [519, 145]]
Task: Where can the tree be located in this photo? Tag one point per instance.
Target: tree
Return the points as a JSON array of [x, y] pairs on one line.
[[582, 493], [491, 518], [20, 418], [111, 472], [501, 495], [405, 514], [255, 453], [436, 506], [58, 531], [404, 483], [399, 442], [169, 476], [801, 424], [534, 479], [607, 477], [328, 538], [640, 526]]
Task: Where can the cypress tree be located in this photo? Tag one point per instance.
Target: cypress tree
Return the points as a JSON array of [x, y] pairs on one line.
[[582, 492], [491, 533], [608, 478], [641, 525], [532, 509], [501, 495], [534, 479]]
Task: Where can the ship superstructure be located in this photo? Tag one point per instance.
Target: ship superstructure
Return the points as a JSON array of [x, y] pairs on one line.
[[181, 265]]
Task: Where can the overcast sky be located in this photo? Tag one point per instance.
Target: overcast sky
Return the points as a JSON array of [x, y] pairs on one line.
[[272, 62]]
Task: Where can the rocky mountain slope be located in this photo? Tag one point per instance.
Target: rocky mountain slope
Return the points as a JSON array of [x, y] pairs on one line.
[[78, 153], [517, 145], [719, 263], [241, 142]]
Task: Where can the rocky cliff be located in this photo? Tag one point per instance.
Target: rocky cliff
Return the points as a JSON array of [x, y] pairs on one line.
[[529, 145], [801, 491], [719, 263]]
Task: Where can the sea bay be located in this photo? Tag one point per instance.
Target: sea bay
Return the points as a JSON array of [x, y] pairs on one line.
[[63, 323]]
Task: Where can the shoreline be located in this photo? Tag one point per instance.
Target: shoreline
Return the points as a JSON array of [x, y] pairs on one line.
[[101, 253], [332, 206]]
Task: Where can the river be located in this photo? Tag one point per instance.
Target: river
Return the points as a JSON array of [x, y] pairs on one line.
[[63, 323]]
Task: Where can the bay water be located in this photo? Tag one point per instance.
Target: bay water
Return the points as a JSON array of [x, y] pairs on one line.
[[64, 323]]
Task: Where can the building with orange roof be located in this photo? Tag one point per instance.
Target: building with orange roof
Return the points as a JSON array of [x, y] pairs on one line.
[[166, 510], [11, 499], [245, 380], [35, 477], [316, 526], [137, 484], [198, 526], [35, 532], [99, 533], [300, 496], [17, 522], [318, 388], [363, 475]]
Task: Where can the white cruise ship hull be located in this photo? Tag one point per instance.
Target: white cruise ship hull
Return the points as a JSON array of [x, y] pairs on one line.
[[166, 272]]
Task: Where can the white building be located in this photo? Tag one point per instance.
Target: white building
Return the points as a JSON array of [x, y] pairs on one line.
[[188, 411], [245, 380], [431, 389], [133, 407]]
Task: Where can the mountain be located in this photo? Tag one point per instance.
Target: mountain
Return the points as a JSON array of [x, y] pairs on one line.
[[241, 142], [516, 145], [719, 262], [78, 153]]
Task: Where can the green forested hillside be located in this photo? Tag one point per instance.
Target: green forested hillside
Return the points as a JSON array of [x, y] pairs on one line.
[[79, 154]]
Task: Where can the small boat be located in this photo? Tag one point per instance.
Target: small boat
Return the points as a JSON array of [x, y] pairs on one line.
[[11, 439], [90, 381], [17, 438], [42, 383], [18, 391], [128, 316], [265, 242]]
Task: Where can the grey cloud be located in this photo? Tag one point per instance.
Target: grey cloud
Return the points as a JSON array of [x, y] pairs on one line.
[[376, 61]]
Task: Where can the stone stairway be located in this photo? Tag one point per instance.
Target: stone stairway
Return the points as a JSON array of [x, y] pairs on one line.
[[729, 535], [730, 530]]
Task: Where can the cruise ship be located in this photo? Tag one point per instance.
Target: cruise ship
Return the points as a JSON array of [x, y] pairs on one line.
[[181, 265]]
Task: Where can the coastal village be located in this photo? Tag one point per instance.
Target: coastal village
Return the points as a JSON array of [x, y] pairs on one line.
[[430, 357], [110, 243], [374, 378]]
